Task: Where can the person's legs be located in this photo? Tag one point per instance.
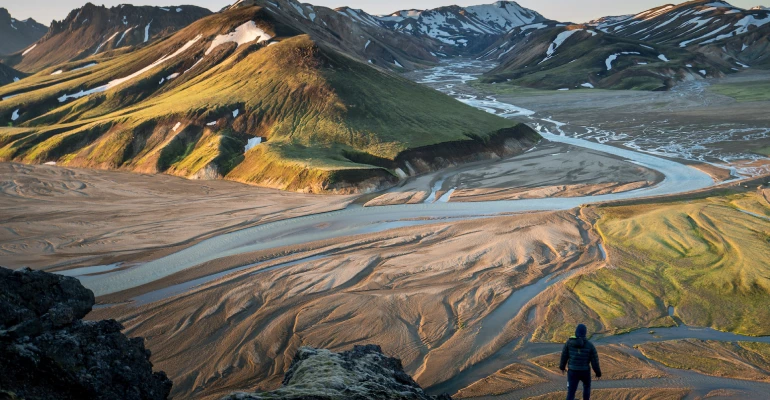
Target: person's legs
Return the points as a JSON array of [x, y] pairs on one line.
[[586, 378], [572, 383]]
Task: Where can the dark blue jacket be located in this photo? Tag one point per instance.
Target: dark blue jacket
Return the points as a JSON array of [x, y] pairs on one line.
[[581, 355]]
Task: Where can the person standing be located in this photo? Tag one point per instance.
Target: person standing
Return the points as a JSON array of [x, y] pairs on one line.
[[580, 355]]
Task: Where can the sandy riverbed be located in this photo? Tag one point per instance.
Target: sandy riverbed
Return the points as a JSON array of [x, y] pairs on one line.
[[55, 218]]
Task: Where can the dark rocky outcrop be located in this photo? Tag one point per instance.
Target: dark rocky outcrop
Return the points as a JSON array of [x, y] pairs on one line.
[[48, 352], [358, 374]]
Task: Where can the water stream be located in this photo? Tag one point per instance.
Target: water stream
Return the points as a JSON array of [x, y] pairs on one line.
[[354, 221]]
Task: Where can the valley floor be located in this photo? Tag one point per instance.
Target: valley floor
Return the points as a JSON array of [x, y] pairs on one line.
[[696, 122], [474, 290], [58, 218]]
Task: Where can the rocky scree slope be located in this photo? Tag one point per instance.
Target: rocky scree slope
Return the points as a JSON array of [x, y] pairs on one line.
[[94, 30], [551, 56], [48, 352], [361, 373], [17, 35], [245, 96]]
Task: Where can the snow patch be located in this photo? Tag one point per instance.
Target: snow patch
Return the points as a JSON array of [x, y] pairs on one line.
[[587, 85], [252, 143], [663, 58], [245, 33], [147, 32], [28, 50], [57, 72], [119, 81], [105, 42], [193, 66], [123, 35], [235, 113], [178, 124], [83, 67], [615, 56], [298, 8], [212, 123], [703, 72], [15, 115], [559, 40]]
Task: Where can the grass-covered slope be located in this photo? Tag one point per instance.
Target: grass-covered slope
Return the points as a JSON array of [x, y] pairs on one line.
[[707, 258], [327, 122], [736, 360], [577, 57]]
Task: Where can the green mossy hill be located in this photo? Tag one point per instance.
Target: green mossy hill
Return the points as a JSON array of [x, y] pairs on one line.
[[328, 122], [581, 61], [708, 259]]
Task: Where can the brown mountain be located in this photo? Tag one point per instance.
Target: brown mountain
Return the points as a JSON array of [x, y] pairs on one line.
[[95, 29]]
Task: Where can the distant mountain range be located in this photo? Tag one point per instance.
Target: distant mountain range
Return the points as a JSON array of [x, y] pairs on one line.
[[16, 35], [717, 29], [469, 28], [580, 57], [652, 50]]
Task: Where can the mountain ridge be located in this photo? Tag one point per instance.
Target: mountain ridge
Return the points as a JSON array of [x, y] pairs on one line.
[[18, 34], [91, 30]]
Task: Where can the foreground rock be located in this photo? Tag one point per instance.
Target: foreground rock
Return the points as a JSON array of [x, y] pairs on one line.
[[361, 373], [48, 352]]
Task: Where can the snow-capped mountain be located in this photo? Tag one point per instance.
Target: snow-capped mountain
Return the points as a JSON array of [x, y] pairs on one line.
[[463, 27], [555, 56], [354, 32], [92, 29], [687, 24], [15, 34]]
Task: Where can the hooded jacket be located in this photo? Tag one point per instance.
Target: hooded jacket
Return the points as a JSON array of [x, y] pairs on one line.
[[581, 355]]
